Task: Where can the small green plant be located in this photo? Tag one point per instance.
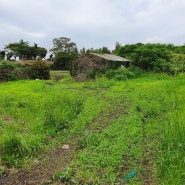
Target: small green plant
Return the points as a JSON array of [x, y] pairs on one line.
[[13, 146], [66, 176], [91, 74], [89, 139], [2, 171]]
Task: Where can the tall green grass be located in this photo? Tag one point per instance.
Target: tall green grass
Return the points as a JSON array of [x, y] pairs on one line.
[[136, 124], [33, 113], [148, 138]]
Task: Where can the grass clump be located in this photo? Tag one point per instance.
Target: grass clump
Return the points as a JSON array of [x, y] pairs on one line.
[[60, 117], [13, 149]]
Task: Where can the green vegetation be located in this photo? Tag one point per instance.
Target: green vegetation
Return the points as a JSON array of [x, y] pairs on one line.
[[11, 72], [154, 57], [38, 69], [128, 132], [64, 52], [22, 50], [119, 74]]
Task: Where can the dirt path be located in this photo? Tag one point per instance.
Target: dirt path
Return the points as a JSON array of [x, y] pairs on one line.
[[52, 162]]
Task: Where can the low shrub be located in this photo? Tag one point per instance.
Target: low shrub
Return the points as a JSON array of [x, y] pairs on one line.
[[119, 74], [13, 146], [20, 73], [5, 69], [15, 71], [40, 70]]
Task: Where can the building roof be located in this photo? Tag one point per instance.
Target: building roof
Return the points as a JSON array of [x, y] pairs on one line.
[[112, 57]]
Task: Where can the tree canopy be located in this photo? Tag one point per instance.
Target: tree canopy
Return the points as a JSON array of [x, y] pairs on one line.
[[23, 50], [154, 57], [64, 45], [64, 52]]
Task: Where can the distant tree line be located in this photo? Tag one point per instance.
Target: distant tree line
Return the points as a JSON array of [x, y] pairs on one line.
[[150, 57]]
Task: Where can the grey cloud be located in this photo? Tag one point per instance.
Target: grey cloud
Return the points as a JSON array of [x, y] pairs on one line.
[[92, 23]]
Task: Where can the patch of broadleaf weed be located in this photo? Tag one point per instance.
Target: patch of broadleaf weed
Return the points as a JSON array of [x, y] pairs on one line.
[[89, 139], [65, 176]]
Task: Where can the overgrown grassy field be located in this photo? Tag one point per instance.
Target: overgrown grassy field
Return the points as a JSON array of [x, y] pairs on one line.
[[129, 132]]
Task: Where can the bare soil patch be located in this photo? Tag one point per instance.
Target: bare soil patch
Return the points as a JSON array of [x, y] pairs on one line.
[[45, 167]]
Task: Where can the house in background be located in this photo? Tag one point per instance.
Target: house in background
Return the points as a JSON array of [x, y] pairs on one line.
[[90, 64]]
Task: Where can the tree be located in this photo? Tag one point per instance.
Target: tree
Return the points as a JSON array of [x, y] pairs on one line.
[[177, 63], [23, 50], [41, 52], [146, 56], [82, 51], [17, 49], [64, 45], [117, 45], [64, 52], [104, 50], [61, 61]]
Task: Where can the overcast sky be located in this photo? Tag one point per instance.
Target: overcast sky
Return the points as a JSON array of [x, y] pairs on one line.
[[92, 23]]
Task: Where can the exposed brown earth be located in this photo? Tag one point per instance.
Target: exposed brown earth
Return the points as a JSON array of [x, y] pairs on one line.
[[45, 167]]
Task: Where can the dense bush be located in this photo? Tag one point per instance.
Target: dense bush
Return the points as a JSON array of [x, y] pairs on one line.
[[6, 69], [19, 73], [119, 74], [40, 70], [150, 57], [61, 61], [15, 71]]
